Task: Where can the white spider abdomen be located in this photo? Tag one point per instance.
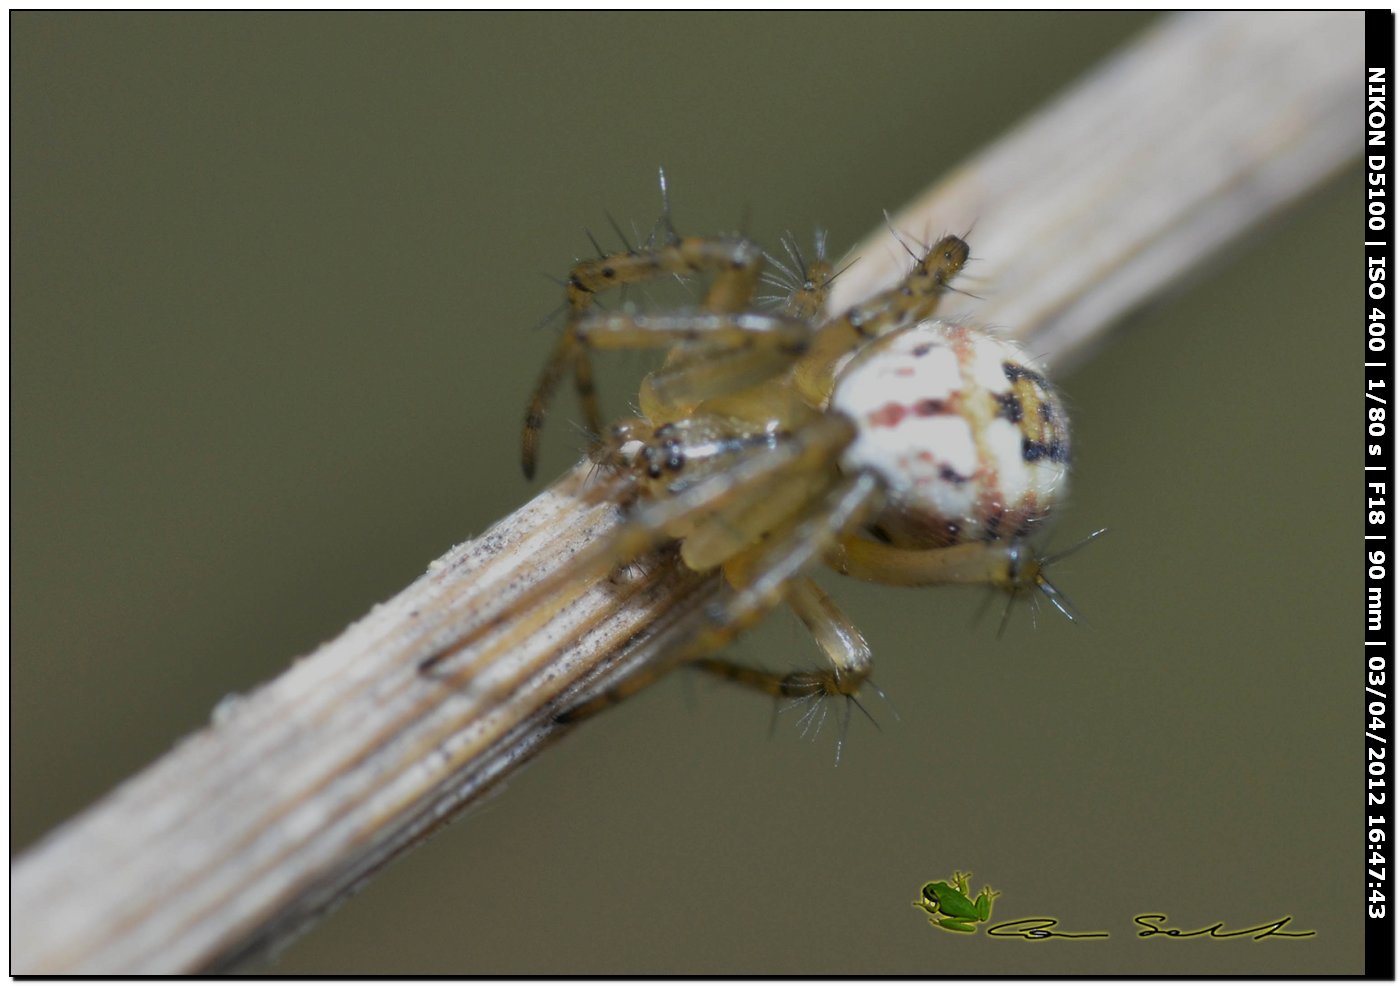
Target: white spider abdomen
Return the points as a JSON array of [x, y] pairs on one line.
[[967, 434]]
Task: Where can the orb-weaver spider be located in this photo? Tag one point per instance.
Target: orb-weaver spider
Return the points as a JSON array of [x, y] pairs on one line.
[[890, 445]]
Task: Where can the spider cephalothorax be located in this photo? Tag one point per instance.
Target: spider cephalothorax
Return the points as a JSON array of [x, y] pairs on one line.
[[891, 445]]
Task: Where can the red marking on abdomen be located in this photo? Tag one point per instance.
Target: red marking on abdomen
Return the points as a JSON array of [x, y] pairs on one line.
[[888, 416]]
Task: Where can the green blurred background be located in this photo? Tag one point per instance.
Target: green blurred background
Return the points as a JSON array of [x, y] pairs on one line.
[[273, 281]]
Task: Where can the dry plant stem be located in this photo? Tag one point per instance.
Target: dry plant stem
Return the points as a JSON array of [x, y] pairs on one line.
[[1114, 190], [293, 795], [301, 789]]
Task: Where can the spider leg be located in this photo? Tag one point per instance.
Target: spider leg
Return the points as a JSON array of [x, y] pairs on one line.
[[735, 264], [806, 283], [912, 300], [727, 532], [762, 466], [1000, 563], [712, 353], [693, 376], [559, 360], [587, 392], [728, 330], [762, 578], [835, 635], [1007, 564]]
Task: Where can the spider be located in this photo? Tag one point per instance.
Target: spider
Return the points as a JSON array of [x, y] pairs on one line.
[[891, 445]]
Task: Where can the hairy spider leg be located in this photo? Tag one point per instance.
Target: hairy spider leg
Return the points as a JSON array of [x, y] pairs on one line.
[[726, 533], [998, 563], [839, 640], [652, 523], [761, 576], [836, 637], [735, 330], [736, 264], [712, 353], [1005, 564], [911, 301], [806, 284], [731, 381]]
